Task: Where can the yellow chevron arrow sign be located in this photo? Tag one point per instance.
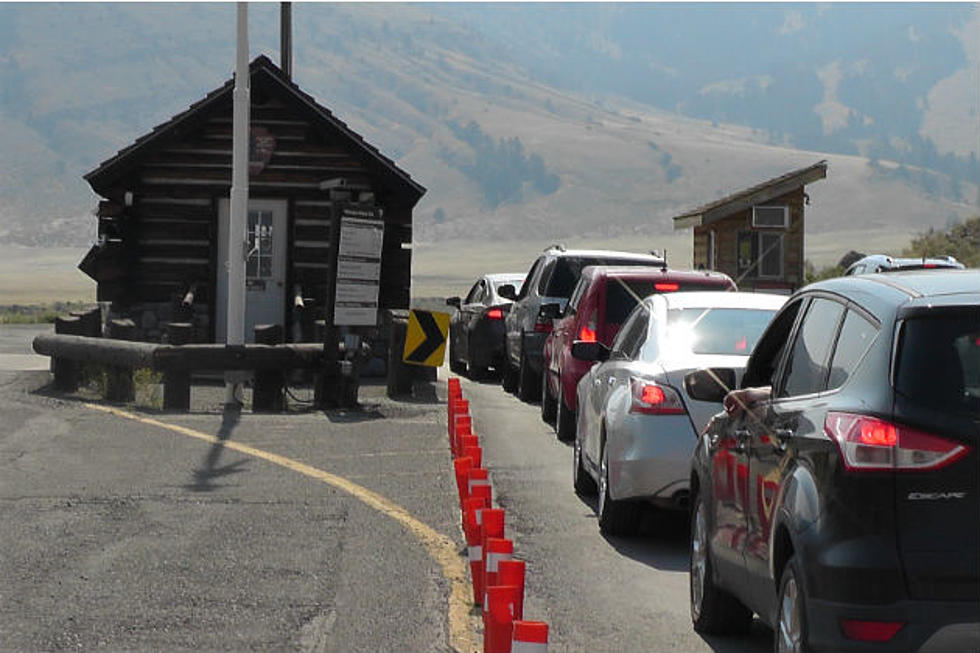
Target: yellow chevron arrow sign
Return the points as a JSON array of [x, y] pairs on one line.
[[425, 340]]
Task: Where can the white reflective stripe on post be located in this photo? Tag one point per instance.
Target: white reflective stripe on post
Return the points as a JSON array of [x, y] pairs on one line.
[[479, 517], [476, 553], [493, 560], [528, 647], [474, 482]]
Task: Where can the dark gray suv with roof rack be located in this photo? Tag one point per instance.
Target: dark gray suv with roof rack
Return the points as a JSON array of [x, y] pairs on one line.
[[546, 289], [837, 496]]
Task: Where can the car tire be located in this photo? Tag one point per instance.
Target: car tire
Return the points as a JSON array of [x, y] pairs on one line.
[[713, 610], [548, 403], [615, 517], [456, 366], [791, 627], [508, 377], [583, 484], [527, 385], [565, 418]]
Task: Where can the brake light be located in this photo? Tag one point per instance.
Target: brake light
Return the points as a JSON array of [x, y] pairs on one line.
[[872, 444], [870, 631], [655, 399], [586, 334], [495, 314], [542, 326], [666, 287]]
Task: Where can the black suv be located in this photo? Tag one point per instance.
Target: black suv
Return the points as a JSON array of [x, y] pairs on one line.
[[837, 495], [544, 294]]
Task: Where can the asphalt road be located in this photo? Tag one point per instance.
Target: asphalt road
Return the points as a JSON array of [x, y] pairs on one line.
[[597, 593], [122, 535]]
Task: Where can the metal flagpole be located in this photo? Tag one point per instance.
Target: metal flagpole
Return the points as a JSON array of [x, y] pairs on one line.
[[239, 203]]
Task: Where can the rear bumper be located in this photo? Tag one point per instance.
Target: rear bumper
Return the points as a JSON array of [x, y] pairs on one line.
[[930, 626], [487, 344], [650, 456]]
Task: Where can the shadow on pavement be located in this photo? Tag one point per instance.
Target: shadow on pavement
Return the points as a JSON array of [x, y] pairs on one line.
[[204, 476]]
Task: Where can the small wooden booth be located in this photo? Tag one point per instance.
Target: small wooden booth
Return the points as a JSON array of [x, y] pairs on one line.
[[162, 225], [755, 236]]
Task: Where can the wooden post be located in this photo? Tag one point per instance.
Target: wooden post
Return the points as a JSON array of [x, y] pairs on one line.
[[66, 371], [177, 383], [400, 375], [119, 379], [267, 390]]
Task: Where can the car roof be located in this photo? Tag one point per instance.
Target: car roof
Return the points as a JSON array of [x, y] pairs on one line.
[[953, 285], [505, 277], [646, 272], [900, 262], [603, 253], [720, 299]]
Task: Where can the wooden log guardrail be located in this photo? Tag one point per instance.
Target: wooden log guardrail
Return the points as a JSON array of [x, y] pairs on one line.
[[175, 361]]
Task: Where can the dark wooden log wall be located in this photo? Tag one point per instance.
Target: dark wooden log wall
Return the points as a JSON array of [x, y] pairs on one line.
[[171, 230]]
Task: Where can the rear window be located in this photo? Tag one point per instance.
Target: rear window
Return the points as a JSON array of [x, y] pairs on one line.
[[939, 363], [623, 294], [726, 331], [569, 269]]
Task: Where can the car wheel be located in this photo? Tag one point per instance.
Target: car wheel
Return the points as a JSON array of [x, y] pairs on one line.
[[713, 610], [548, 403], [455, 365], [615, 517], [476, 372], [791, 629], [583, 483], [508, 377], [527, 385], [565, 418]]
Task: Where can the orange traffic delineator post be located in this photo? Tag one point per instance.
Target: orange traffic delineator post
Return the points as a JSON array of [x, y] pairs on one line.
[[464, 426], [492, 525], [464, 441], [460, 407], [529, 637], [474, 453], [472, 516], [499, 619], [481, 490], [460, 467], [512, 572], [495, 549], [476, 476]]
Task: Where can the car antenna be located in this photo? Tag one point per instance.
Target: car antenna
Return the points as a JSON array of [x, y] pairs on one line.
[[663, 267]]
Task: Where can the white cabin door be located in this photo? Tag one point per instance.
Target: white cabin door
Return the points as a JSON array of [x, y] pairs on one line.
[[265, 266]]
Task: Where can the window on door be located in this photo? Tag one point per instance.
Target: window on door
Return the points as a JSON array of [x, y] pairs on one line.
[[258, 265]]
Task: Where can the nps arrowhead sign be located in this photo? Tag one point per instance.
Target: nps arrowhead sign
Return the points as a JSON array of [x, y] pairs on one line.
[[425, 339]]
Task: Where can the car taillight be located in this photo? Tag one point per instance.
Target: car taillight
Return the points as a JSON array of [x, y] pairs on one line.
[[872, 444], [655, 399], [870, 631], [666, 287], [495, 314]]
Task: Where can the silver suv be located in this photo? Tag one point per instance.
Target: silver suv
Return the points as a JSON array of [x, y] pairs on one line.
[[546, 289], [884, 263]]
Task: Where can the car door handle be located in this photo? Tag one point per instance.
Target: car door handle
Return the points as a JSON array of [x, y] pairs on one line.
[[781, 437], [741, 440]]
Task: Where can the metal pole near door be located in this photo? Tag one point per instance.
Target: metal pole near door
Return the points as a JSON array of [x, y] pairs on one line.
[[239, 203]]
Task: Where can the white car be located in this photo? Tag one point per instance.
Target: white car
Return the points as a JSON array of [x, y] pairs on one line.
[[636, 424]]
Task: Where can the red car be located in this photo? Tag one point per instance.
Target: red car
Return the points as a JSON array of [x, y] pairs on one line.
[[603, 298]]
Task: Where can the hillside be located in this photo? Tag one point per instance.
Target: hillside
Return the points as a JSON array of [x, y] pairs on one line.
[[521, 120]]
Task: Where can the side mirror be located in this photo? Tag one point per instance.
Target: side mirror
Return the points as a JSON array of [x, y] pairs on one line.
[[590, 351], [549, 311], [453, 301], [711, 384], [507, 291]]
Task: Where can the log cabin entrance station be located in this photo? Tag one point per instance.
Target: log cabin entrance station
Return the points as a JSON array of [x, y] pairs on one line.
[[755, 236], [163, 220]]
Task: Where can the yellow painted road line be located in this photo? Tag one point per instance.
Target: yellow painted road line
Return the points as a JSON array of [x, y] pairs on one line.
[[440, 548]]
